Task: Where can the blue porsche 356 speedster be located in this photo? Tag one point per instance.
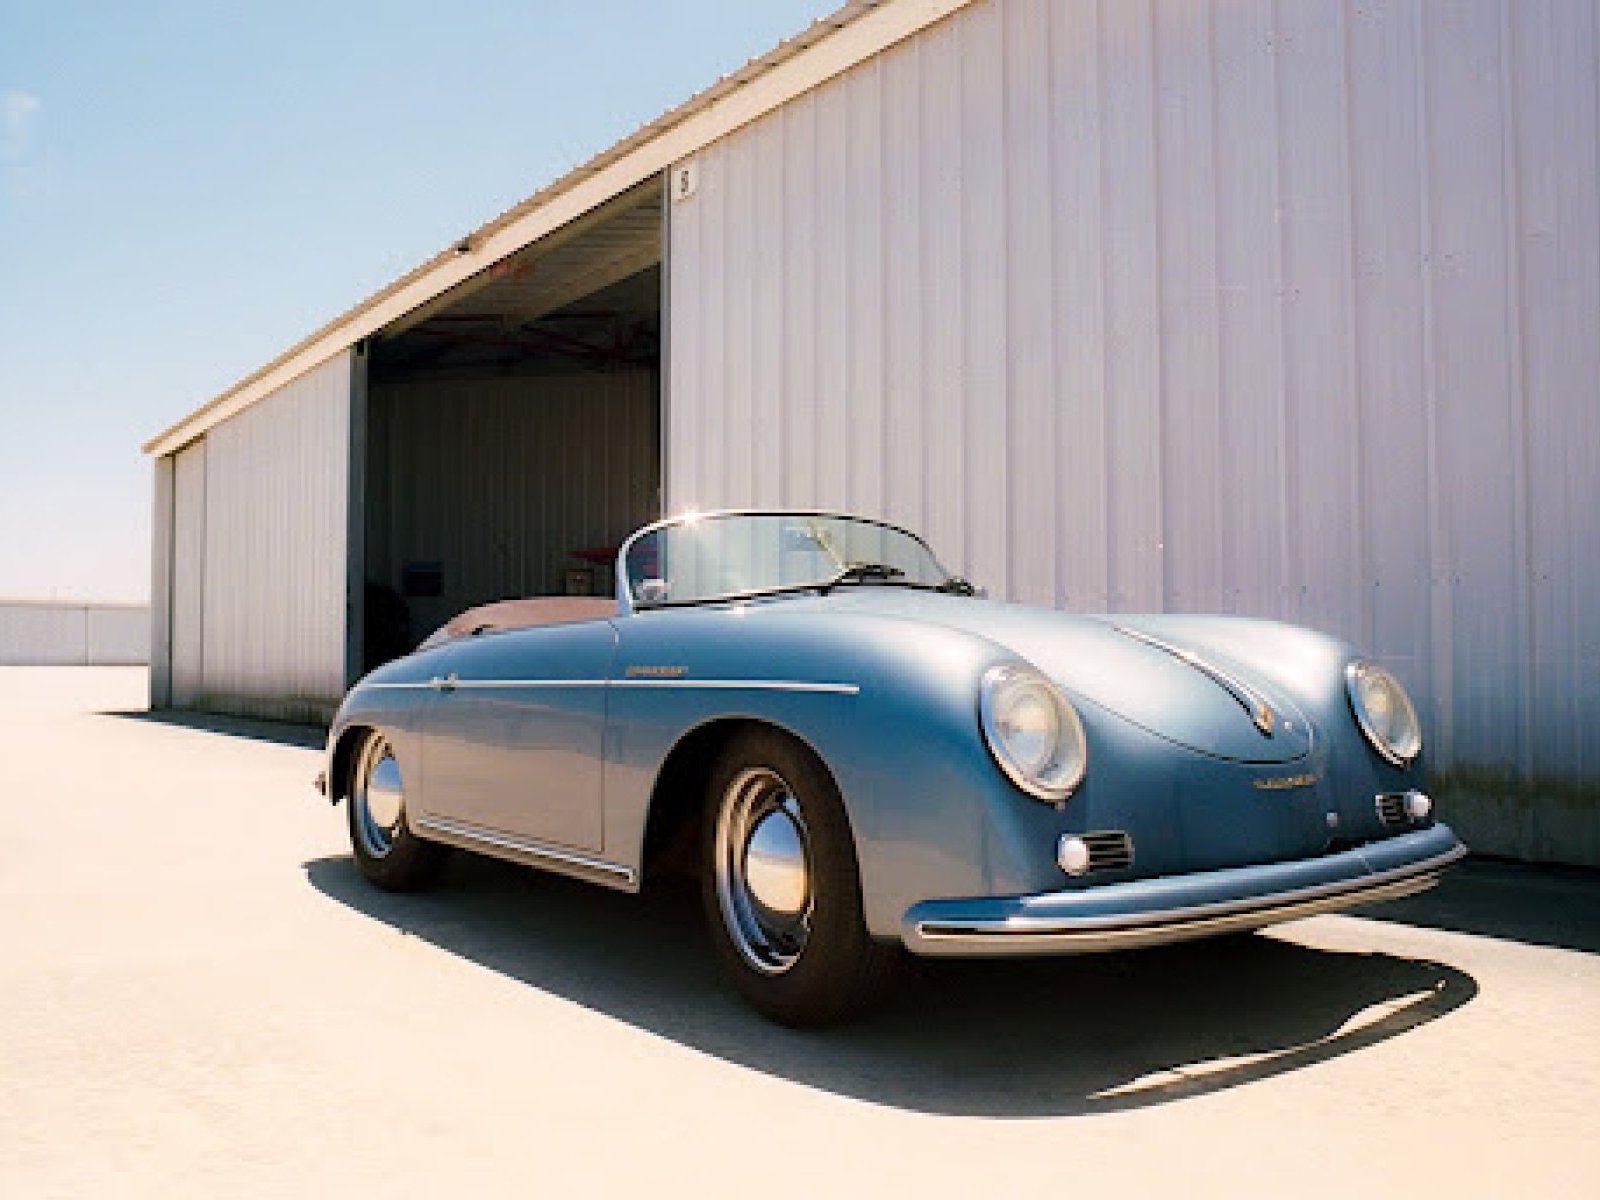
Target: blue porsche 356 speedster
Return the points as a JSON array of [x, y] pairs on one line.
[[862, 757]]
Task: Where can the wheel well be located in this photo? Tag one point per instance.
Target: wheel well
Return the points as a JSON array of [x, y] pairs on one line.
[[343, 754], [672, 832]]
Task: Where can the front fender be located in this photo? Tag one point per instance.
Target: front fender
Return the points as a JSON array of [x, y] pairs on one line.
[[899, 734]]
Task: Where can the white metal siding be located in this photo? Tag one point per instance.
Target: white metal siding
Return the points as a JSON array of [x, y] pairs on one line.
[[1284, 309], [273, 625], [65, 634], [188, 572], [500, 480], [159, 634]]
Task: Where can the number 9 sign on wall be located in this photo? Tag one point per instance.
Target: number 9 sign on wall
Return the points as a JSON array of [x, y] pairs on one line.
[[685, 178]]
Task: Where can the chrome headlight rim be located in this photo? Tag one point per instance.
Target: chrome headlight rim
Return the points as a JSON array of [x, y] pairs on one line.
[[1071, 749], [1404, 754]]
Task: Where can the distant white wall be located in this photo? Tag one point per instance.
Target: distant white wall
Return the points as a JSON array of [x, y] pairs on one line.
[[52, 634], [1286, 309]]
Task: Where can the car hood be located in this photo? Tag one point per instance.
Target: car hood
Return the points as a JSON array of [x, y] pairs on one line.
[[1203, 701]]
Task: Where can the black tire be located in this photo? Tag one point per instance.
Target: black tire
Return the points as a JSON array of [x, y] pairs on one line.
[[385, 849], [810, 961]]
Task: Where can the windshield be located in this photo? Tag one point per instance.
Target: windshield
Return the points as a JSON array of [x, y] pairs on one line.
[[728, 556]]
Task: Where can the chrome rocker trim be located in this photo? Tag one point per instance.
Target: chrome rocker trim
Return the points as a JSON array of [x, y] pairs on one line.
[[535, 854], [1125, 916]]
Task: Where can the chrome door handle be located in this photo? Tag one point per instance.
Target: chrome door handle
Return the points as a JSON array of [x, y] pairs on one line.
[[446, 683]]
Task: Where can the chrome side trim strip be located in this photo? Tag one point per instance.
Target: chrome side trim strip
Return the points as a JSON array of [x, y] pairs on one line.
[[1260, 712], [465, 685], [751, 685], [494, 840], [1075, 935], [754, 685]]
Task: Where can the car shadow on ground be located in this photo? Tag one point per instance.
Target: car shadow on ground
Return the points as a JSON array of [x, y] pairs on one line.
[[282, 733], [1008, 1039]]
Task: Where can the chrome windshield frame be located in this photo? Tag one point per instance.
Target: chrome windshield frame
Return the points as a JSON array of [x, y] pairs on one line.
[[626, 606]]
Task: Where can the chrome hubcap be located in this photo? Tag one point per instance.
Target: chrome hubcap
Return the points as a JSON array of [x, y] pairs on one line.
[[378, 798], [763, 870], [775, 864]]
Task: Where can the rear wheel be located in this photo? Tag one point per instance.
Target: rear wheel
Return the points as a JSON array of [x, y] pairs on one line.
[[781, 886], [386, 851]]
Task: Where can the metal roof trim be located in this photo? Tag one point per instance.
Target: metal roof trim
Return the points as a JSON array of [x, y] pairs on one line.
[[878, 24]]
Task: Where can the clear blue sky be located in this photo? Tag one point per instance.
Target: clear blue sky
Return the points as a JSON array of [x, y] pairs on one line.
[[188, 188]]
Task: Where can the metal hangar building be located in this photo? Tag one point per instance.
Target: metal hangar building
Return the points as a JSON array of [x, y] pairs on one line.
[[1286, 309]]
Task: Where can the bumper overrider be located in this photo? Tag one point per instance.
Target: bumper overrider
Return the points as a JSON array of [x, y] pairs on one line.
[[1149, 912]]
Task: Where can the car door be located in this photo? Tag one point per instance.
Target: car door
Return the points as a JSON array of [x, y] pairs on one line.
[[515, 733]]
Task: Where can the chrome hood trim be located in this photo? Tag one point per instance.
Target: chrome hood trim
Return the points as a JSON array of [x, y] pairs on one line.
[[1260, 711]]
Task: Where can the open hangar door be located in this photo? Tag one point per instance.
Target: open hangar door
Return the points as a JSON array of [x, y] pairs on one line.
[[513, 428]]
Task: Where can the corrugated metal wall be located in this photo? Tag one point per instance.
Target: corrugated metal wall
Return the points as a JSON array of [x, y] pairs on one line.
[[74, 634], [499, 480], [1276, 308], [158, 636], [185, 619], [259, 562]]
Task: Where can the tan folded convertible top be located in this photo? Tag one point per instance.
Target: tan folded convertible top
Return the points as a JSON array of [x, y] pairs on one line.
[[521, 614]]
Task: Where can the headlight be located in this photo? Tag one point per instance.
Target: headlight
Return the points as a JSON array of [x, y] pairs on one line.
[[1033, 731], [1384, 712]]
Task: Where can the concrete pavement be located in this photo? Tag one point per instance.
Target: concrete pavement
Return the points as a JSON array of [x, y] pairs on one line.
[[199, 996]]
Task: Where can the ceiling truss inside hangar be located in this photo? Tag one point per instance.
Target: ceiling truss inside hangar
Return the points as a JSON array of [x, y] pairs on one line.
[[587, 296]]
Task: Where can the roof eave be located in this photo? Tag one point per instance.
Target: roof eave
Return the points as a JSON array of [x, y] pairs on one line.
[[828, 47]]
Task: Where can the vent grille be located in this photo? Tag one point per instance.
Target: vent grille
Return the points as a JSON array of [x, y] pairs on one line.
[[1109, 850], [1392, 810]]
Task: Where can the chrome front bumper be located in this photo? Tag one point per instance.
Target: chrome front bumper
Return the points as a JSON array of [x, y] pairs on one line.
[[1150, 912]]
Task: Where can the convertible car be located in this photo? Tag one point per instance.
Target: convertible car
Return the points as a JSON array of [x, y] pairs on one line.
[[860, 757]]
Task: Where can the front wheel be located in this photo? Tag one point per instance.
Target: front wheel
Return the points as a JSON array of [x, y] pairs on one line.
[[782, 889], [386, 851]]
